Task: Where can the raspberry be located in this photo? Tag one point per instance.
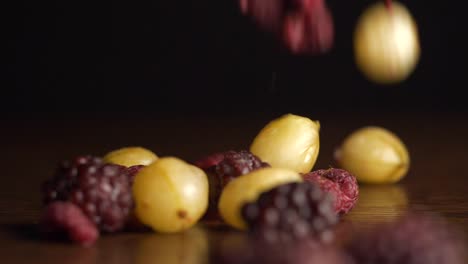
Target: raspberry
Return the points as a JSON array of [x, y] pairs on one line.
[[290, 212], [267, 14], [309, 30], [101, 190], [327, 186], [221, 168], [209, 161], [413, 239], [65, 217], [305, 26], [332, 179]]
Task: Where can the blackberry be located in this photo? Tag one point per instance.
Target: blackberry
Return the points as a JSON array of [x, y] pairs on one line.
[[221, 168], [132, 172], [331, 179], [413, 239], [235, 164], [65, 217], [290, 212], [101, 190]]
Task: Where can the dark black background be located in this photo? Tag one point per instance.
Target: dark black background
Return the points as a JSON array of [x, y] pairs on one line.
[[186, 57]]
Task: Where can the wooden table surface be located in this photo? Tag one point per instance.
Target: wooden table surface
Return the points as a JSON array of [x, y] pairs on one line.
[[437, 180]]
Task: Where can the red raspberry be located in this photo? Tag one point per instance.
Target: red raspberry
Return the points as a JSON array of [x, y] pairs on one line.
[[329, 179], [209, 161], [327, 186], [309, 31], [304, 26], [267, 14], [310, 4], [65, 217]]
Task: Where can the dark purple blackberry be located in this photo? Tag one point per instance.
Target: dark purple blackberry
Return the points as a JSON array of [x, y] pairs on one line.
[[290, 212], [101, 190], [237, 163], [132, 172], [65, 217], [413, 239], [65, 178], [221, 168]]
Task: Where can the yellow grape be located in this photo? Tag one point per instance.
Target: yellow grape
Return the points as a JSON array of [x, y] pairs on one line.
[[374, 155], [290, 141], [247, 188], [170, 195], [131, 156], [386, 43]]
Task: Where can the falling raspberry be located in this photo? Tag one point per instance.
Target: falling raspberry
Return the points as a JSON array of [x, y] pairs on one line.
[[101, 190], [309, 32], [340, 183], [304, 26], [65, 217], [413, 239], [291, 212]]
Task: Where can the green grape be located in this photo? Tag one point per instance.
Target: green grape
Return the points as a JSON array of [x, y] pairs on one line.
[[170, 195]]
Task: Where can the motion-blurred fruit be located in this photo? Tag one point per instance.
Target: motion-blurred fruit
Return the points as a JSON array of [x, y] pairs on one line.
[[386, 43]]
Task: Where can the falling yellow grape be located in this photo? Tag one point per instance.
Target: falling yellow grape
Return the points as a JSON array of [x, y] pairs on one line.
[[386, 43]]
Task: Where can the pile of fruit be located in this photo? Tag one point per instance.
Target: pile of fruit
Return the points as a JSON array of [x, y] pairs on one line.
[[270, 191]]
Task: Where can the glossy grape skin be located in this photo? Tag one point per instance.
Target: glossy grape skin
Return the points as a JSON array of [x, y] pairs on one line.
[[374, 155], [290, 141], [170, 195]]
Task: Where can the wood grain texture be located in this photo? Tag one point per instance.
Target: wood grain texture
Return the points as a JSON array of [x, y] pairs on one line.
[[437, 181]]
